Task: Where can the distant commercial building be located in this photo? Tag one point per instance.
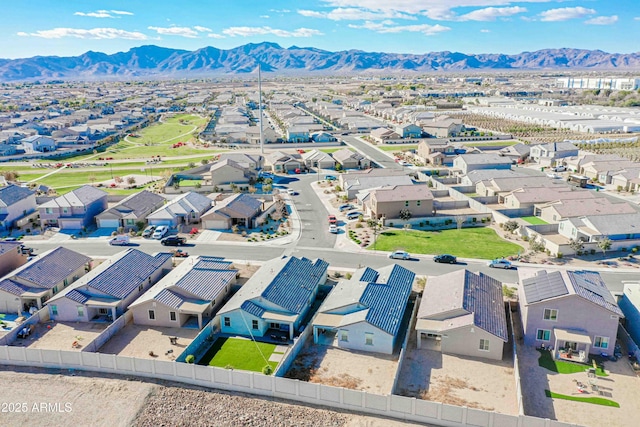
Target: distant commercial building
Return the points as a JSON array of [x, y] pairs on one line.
[[599, 83]]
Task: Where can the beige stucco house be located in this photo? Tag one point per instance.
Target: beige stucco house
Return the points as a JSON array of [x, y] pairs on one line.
[[389, 201]]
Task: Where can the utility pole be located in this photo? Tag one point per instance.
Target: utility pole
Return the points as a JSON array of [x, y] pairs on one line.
[[260, 107]]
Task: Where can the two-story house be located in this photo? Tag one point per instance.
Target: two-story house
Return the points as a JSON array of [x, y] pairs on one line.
[[75, 210], [15, 202]]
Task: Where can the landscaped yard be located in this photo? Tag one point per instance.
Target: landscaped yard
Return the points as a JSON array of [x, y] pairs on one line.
[[238, 353], [467, 242], [562, 367], [593, 400], [398, 147], [534, 220]]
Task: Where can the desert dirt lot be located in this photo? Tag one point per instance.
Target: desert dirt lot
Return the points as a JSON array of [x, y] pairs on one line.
[[621, 386], [102, 400], [138, 341], [61, 335], [343, 368], [458, 380]]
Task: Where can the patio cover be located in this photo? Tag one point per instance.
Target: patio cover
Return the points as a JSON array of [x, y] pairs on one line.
[[572, 336]]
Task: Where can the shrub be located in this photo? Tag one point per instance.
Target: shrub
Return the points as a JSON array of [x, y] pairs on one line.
[[634, 249], [228, 367], [358, 225], [623, 249], [348, 276], [592, 251], [390, 224], [559, 255], [190, 358], [267, 370], [337, 275]]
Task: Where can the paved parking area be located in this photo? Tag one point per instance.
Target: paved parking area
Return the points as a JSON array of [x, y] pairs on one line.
[[62, 335], [621, 386], [148, 342], [458, 380]]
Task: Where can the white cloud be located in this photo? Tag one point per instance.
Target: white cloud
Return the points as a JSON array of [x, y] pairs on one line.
[[79, 33], [355, 14], [387, 27], [176, 31], [259, 31], [216, 36], [202, 29], [566, 13], [492, 13], [265, 16], [103, 13], [602, 20], [637, 18], [279, 10], [485, 31]]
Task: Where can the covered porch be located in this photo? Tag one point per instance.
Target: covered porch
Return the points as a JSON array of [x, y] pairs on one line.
[[429, 334], [102, 309], [278, 323], [572, 345], [194, 309], [325, 329]]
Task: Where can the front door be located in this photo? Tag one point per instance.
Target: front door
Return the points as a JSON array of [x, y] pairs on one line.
[[571, 345]]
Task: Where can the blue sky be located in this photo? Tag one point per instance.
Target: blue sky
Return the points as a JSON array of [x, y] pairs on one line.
[[72, 27]]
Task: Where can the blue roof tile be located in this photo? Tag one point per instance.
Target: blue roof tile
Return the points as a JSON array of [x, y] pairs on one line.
[[53, 267], [15, 288], [369, 275], [483, 298], [252, 308], [77, 296], [589, 285], [170, 299], [12, 194]]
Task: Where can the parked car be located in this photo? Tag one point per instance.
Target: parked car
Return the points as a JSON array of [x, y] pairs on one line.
[[173, 241], [25, 250], [292, 192], [345, 207], [333, 219], [179, 253], [445, 258], [149, 231], [559, 168], [330, 178], [333, 228], [353, 215], [160, 232], [121, 240], [500, 263], [399, 255]]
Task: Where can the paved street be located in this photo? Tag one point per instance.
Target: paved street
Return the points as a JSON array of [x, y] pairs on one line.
[[313, 215], [364, 147]]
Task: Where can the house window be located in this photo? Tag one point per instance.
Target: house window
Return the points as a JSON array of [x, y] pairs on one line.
[[54, 310], [368, 338], [55, 290], [103, 311], [172, 316], [418, 202], [227, 322], [550, 314], [65, 210], [254, 324], [601, 342], [80, 311], [140, 288], [406, 203], [65, 282], [344, 336], [48, 211], [152, 315], [274, 325], [543, 335], [484, 345]]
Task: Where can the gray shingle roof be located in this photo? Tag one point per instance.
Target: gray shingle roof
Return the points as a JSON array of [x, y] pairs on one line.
[[53, 267], [615, 224], [14, 288], [12, 194], [239, 205], [127, 273], [138, 205], [543, 286], [589, 285]]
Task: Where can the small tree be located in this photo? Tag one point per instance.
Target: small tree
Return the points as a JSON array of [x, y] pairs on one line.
[[92, 178], [460, 219], [267, 188], [131, 180], [407, 227], [235, 228], [252, 189], [536, 244], [405, 214], [118, 180], [604, 244], [140, 225], [577, 245], [204, 161], [510, 226]]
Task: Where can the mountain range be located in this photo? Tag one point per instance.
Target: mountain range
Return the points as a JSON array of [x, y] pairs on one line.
[[160, 62]]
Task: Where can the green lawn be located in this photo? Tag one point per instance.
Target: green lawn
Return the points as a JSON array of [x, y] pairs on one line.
[[398, 147], [467, 243], [560, 366], [240, 354], [69, 177], [333, 150], [593, 400], [534, 220]]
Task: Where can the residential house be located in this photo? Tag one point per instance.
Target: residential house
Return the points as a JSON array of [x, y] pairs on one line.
[[382, 135], [318, 159], [237, 209], [226, 172], [354, 182], [528, 197], [499, 186], [463, 313], [187, 208], [131, 210], [107, 290], [275, 299], [38, 143], [629, 303], [188, 296], [250, 162], [387, 202], [281, 162], [435, 152], [74, 210], [34, 283], [603, 171], [518, 152], [470, 162], [15, 203], [627, 179], [351, 159], [10, 257], [8, 150], [409, 130], [558, 210], [365, 312], [443, 127], [548, 153], [621, 229], [572, 312], [299, 133], [322, 137], [475, 177]]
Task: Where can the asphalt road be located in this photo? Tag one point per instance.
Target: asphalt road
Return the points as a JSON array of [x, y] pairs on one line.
[[364, 147]]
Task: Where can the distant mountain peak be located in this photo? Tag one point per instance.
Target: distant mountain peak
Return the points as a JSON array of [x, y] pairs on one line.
[[151, 61]]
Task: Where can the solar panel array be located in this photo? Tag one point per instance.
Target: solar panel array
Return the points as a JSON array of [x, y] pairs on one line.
[[543, 286]]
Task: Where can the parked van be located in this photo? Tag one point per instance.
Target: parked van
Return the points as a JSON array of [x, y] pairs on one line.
[[121, 240]]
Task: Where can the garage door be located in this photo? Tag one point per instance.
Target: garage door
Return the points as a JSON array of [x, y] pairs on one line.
[[214, 224], [108, 223], [159, 222]]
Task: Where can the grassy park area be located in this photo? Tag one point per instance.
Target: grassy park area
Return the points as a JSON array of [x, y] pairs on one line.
[[238, 353], [467, 242], [398, 147]]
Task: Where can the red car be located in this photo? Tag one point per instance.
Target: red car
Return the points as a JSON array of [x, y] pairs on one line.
[[333, 219]]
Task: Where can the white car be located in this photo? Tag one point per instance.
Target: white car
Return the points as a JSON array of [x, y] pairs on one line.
[[559, 168], [500, 263], [333, 229], [160, 232], [291, 192], [399, 255]]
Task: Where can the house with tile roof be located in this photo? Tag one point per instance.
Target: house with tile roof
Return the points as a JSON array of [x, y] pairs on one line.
[[187, 208], [188, 296], [275, 299], [107, 291], [572, 311], [10, 257], [351, 159], [354, 182], [225, 172], [552, 151], [74, 210], [365, 312], [132, 209], [237, 209], [463, 313], [282, 162], [34, 283], [389, 201], [318, 159], [558, 210], [15, 202], [471, 162], [622, 229]]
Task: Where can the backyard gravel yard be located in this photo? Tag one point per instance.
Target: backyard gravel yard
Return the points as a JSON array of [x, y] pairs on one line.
[[138, 341], [62, 335]]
